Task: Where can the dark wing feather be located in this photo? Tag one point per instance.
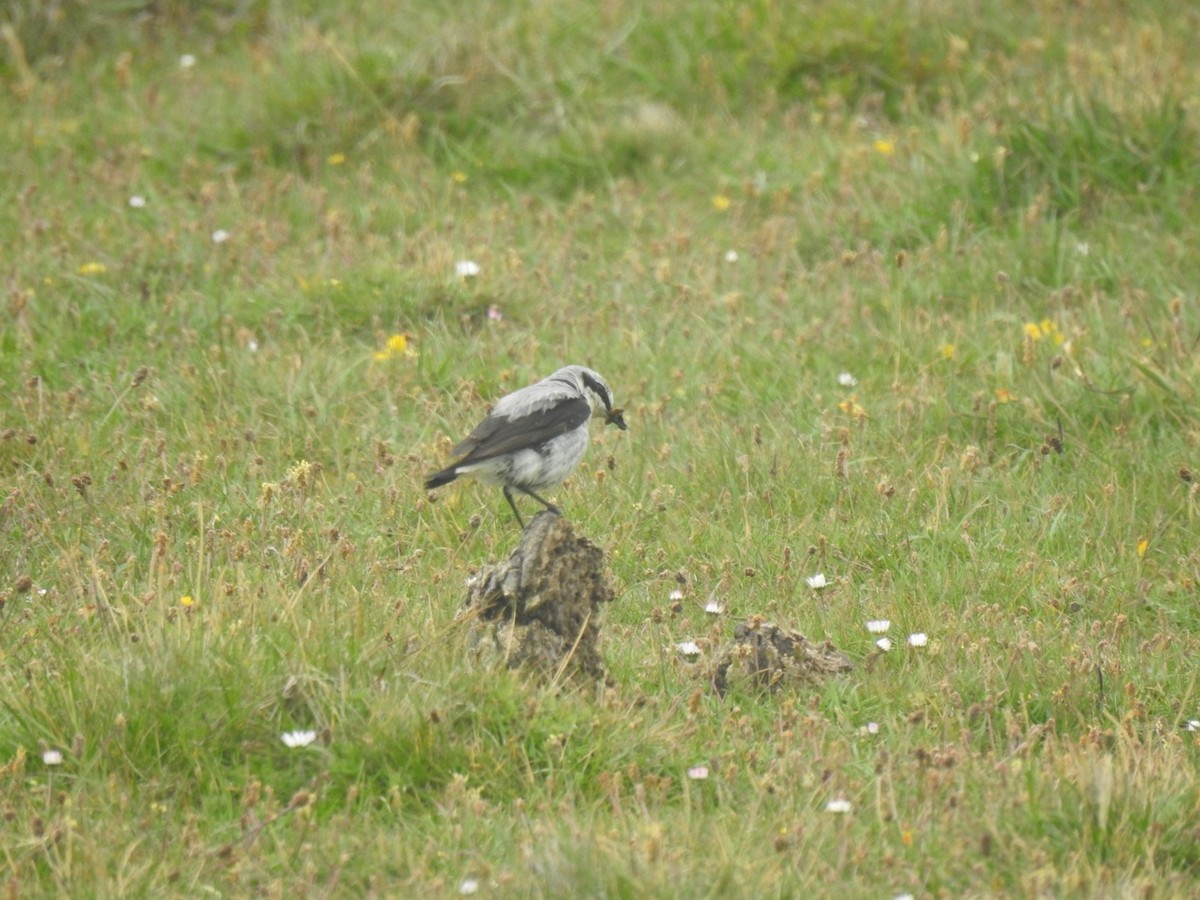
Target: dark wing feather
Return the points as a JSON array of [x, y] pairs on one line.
[[497, 435]]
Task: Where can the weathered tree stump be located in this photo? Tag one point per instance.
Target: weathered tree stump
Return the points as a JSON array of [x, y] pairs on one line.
[[539, 609], [768, 656]]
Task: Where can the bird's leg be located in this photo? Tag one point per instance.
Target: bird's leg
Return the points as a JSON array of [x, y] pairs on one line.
[[546, 503], [509, 497]]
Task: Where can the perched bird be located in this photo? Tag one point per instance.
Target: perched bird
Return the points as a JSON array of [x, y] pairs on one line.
[[535, 437]]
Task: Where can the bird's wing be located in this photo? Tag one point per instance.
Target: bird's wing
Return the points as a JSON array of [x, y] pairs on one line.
[[499, 434]]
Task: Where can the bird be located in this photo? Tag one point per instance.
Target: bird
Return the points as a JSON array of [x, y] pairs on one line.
[[535, 437]]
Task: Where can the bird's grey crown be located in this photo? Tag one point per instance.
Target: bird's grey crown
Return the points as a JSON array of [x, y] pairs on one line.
[[589, 383]]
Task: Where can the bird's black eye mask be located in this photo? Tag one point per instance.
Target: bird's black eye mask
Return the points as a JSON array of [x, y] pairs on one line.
[[611, 416]]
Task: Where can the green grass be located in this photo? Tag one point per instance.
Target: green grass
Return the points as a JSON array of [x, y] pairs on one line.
[[211, 515]]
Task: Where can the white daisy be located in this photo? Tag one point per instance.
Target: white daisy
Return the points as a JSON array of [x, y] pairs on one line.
[[919, 639], [878, 626], [298, 738], [838, 806], [816, 582], [466, 268], [884, 644]]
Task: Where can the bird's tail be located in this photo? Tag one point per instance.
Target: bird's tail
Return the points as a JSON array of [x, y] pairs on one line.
[[437, 479]]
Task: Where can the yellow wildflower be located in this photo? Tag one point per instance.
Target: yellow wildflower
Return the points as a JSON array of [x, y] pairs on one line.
[[721, 202], [851, 408], [396, 345], [93, 268], [886, 147], [336, 159], [1035, 331]]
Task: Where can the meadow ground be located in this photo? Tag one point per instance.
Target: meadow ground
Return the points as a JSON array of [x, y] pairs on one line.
[[901, 294]]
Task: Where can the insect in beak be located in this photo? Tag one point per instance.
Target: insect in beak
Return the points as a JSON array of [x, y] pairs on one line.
[[616, 417]]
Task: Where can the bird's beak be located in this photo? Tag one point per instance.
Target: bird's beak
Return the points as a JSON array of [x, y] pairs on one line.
[[616, 417]]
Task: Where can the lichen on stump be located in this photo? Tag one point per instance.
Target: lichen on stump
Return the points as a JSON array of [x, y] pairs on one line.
[[764, 655], [539, 609]]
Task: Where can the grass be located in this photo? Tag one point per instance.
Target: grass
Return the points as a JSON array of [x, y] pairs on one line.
[[212, 445]]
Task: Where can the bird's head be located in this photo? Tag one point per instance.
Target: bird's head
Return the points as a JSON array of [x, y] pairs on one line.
[[593, 387]]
